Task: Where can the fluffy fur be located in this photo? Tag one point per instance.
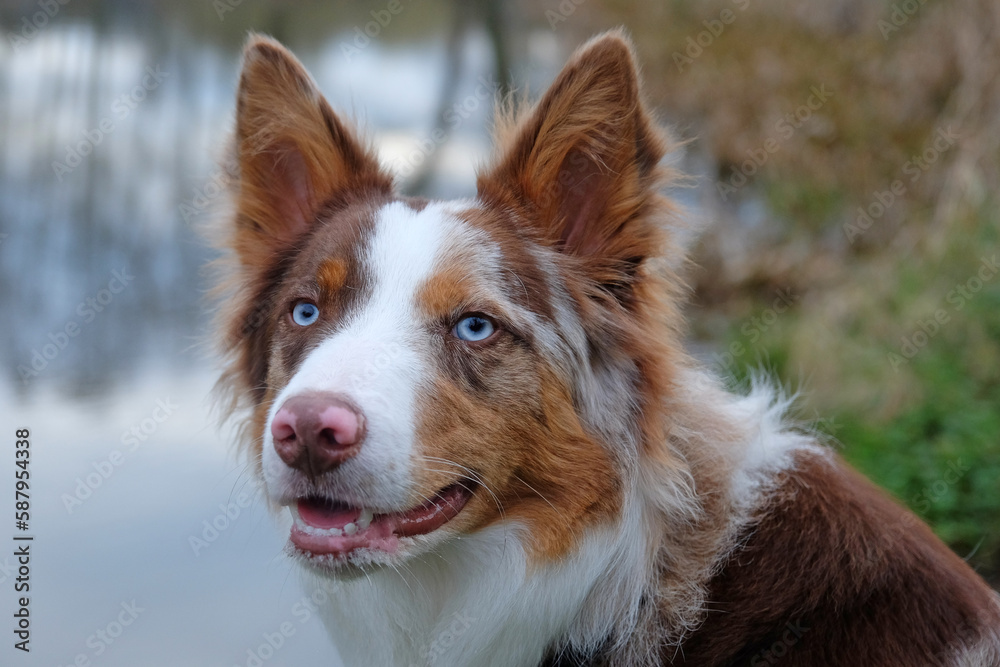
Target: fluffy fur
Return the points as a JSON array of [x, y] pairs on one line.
[[624, 509]]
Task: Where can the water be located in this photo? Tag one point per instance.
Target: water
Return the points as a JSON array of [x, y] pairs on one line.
[[111, 140], [166, 520]]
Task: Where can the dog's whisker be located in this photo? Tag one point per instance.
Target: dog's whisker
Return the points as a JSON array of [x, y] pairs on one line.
[[478, 479], [538, 493], [471, 475]]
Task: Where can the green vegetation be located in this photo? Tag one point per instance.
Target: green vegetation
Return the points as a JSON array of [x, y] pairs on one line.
[[909, 378]]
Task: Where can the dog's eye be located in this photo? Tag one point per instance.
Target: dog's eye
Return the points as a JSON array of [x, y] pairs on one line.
[[473, 328], [305, 313]]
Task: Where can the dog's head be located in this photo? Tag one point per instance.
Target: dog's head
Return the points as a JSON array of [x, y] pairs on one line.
[[416, 370]]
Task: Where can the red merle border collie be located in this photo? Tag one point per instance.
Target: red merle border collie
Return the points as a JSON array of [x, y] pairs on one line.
[[492, 447]]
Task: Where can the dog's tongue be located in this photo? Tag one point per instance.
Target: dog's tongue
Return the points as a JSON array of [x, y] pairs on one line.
[[326, 514]]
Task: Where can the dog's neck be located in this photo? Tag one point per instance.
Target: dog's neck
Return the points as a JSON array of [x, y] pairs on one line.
[[477, 602]]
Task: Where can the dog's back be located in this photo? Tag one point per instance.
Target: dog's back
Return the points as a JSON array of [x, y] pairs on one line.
[[829, 571]]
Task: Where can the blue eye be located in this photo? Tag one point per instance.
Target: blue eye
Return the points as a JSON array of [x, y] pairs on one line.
[[473, 328], [305, 313]]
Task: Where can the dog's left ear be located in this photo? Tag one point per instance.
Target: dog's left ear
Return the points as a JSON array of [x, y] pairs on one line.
[[294, 153], [584, 161]]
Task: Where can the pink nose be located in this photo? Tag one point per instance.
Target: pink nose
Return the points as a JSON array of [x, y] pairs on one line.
[[316, 432]]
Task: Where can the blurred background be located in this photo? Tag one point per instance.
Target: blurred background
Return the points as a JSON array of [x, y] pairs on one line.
[[843, 162]]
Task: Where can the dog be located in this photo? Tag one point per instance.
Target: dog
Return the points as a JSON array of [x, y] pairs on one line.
[[479, 423]]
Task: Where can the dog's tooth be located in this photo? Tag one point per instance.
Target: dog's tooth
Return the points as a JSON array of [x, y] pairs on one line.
[[300, 523], [365, 519]]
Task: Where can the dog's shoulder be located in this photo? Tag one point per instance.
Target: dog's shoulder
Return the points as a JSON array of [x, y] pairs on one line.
[[832, 571]]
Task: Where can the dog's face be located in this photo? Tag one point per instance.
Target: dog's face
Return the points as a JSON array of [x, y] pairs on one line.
[[419, 371]]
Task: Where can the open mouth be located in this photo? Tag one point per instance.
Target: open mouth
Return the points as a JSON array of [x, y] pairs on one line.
[[325, 527]]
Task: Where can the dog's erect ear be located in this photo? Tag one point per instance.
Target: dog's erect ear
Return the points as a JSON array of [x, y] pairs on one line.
[[585, 158], [293, 153]]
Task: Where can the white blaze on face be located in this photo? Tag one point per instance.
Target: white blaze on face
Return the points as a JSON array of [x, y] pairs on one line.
[[376, 359]]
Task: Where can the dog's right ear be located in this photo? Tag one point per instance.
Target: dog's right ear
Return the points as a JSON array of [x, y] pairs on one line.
[[293, 153]]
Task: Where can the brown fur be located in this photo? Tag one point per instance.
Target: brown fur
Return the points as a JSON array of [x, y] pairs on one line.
[[577, 174], [592, 132], [294, 153], [832, 572], [558, 490], [297, 163], [331, 275], [863, 581], [597, 145], [576, 183]]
